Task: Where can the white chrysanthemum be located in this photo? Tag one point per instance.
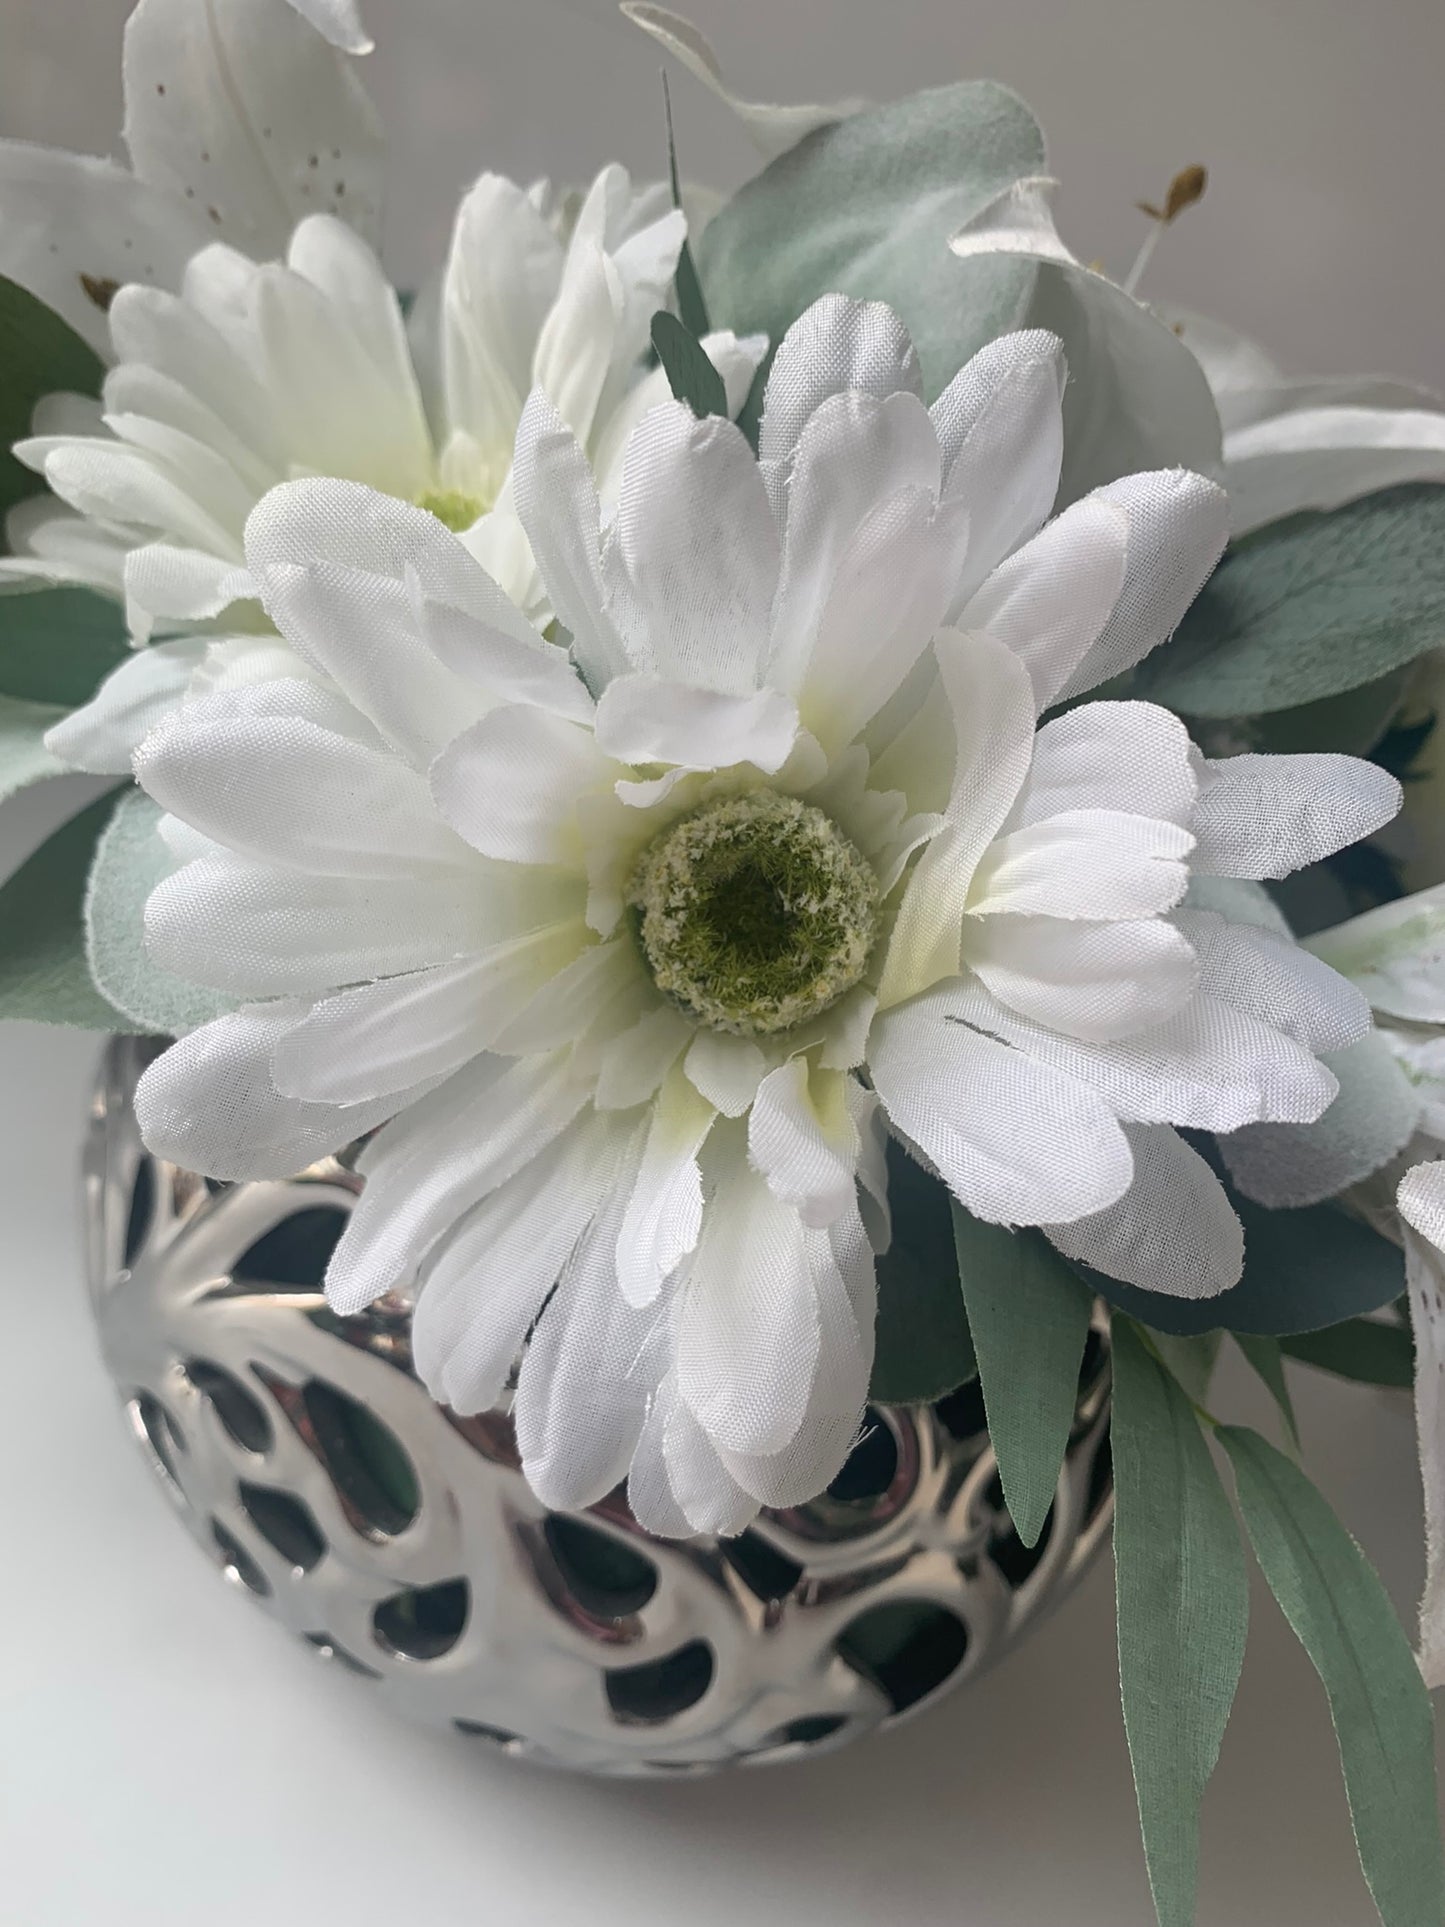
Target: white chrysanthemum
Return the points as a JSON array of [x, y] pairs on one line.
[[256, 373], [792, 770]]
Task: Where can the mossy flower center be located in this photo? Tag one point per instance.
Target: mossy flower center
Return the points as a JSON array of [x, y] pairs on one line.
[[754, 913], [452, 507]]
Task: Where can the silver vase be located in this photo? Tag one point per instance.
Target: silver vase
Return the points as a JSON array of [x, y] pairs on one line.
[[403, 1544]]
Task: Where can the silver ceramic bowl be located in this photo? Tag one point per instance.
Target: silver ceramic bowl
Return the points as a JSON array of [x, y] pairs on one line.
[[402, 1543]]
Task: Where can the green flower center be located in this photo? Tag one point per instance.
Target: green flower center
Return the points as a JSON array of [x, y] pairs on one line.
[[451, 507], [754, 913]]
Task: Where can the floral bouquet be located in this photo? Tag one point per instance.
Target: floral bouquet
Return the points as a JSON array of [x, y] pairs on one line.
[[711, 740]]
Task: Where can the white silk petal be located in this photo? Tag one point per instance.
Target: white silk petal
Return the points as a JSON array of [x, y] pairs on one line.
[[1265, 816]]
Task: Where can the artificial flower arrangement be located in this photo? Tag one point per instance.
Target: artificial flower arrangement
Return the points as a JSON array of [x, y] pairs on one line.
[[714, 728]]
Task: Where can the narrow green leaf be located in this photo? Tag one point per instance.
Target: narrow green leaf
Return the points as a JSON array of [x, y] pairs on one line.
[[1364, 1349], [691, 303], [1309, 607], [692, 377], [24, 759], [130, 860], [58, 645], [1302, 1269], [1342, 1617], [1265, 1356], [922, 1348], [39, 354], [43, 971], [1183, 1610], [1029, 1316], [866, 207]]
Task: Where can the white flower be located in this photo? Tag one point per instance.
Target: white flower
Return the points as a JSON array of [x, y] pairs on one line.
[[797, 777], [258, 372]]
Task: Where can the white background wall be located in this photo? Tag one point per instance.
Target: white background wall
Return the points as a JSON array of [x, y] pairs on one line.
[[167, 1756]]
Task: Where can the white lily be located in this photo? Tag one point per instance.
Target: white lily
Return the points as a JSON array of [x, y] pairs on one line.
[[637, 947], [241, 118], [1294, 442]]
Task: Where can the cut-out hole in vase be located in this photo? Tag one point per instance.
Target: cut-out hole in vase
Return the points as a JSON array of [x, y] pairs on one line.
[[908, 1648], [285, 1522], [160, 1433], [424, 1621], [373, 1476], [237, 1407], [294, 1254], [237, 1563], [872, 1465], [608, 1579], [142, 1210], [771, 1574], [660, 1689], [1014, 1559]]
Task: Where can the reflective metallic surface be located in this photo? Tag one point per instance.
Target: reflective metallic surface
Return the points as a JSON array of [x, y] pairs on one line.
[[403, 1544]]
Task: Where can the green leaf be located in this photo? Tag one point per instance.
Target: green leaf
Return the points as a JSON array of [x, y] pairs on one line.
[[1029, 1316], [1350, 724], [1364, 1349], [24, 759], [1191, 1360], [43, 972], [130, 860], [691, 375], [691, 304], [1183, 1609], [922, 1347], [59, 645], [1342, 1617], [39, 354], [1265, 1356], [1302, 1269], [1309, 607], [866, 207]]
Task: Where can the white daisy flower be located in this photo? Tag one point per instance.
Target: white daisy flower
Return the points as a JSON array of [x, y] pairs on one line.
[[641, 948], [256, 373]]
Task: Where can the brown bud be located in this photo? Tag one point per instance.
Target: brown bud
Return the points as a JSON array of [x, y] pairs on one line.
[[1185, 189], [101, 289]]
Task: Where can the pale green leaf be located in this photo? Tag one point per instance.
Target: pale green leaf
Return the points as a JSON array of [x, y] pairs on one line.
[[866, 208], [59, 645], [1266, 1360], [690, 374], [691, 305], [39, 354], [1192, 1360], [1183, 1610], [43, 971], [1309, 607], [922, 1349], [24, 759], [1029, 1316], [130, 860], [1342, 1617]]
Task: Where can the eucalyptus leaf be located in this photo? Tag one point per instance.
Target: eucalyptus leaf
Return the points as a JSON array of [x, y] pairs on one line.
[[1183, 1612], [1191, 1360], [1368, 1350], [1029, 1314], [43, 972], [1266, 1360], [1308, 608], [922, 1347], [24, 759], [690, 374], [1343, 1618], [59, 645], [39, 355], [130, 860], [1302, 1270], [866, 208]]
